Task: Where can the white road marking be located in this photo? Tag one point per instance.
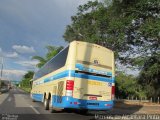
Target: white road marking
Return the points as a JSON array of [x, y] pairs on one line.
[[9, 99], [36, 111]]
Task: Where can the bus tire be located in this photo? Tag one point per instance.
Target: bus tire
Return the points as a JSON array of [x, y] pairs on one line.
[[50, 107], [52, 110], [83, 112], [46, 104], [32, 98], [55, 110]]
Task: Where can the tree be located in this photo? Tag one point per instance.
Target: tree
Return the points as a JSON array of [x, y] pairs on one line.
[[94, 23], [52, 51], [26, 79], [121, 26], [131, 28], [149, 76], [127, 86], [88, 24], [28, 75], [143, 38]]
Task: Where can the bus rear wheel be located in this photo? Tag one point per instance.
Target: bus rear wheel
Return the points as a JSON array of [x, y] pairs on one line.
[[46, 104], [33, 100]]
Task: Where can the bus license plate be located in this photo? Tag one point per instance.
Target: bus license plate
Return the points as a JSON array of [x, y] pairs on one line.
[[93, 98]]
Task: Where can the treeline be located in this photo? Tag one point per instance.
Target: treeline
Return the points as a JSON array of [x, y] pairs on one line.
[[26, 81], [127, 86]]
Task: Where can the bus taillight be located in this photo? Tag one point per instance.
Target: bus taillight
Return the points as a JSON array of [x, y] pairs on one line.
[[69, 87], [113, 92]]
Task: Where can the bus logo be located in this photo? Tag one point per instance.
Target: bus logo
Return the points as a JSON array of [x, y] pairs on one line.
[[96, 62], [109, 84]]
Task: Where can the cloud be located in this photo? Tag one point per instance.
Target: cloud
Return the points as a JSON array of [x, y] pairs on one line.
[[35, 23], [23, 49], [31, 25], [8, 55], [29, 63], [9, 74], [1, 52], [11, 55]]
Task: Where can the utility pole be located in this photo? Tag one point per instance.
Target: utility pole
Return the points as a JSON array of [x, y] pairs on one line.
[[1, 72]]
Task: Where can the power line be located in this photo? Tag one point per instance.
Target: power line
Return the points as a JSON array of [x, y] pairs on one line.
[[1, 71]]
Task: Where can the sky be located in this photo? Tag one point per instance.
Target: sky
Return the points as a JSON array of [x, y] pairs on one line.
[[27, 27]]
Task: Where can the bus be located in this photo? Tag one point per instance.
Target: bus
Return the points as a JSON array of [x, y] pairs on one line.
[[81, 76]]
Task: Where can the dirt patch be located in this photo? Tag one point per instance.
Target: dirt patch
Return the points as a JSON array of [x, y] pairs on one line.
[[136, 108]]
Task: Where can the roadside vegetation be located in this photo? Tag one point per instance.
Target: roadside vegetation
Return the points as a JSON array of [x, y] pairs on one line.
[[131, 28], [25, 83]]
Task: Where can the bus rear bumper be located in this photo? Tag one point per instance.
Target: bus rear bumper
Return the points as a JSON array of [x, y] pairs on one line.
[[70, 102]]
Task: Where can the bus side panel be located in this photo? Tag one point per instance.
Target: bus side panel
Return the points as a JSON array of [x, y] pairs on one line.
[[37, 97], [46, 85]]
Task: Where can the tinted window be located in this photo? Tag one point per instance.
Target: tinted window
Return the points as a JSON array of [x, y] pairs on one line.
[[55, 63]]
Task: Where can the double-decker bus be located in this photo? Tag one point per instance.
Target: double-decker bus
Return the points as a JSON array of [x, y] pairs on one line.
[[81, 76]]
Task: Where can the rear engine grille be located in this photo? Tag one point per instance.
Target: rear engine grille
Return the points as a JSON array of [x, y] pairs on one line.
[[94, 74]]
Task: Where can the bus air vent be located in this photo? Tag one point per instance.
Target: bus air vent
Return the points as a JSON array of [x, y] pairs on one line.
[[95, 104]]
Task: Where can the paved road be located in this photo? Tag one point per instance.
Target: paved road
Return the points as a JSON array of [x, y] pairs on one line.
[[17, 105], [18, 102]]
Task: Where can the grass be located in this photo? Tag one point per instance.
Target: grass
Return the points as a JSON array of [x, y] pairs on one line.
[[27, 89]]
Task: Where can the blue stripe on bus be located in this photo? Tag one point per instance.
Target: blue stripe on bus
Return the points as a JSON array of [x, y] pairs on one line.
[[71, 73], [37, 97], [70, 102], [60, 75], [91, 77], [83, 68]]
